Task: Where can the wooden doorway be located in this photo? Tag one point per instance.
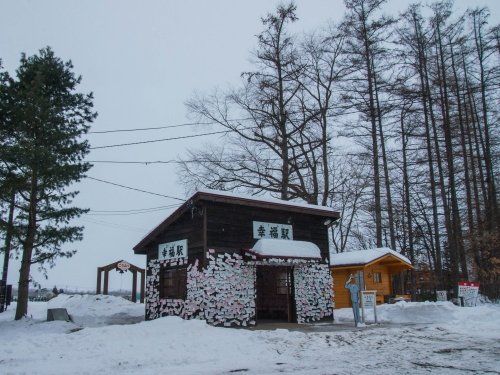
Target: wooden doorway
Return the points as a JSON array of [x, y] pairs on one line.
[[275, 293]]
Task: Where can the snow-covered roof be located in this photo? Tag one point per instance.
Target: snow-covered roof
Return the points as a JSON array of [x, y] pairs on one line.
[[286, 249], [363, 256], [270, 200]]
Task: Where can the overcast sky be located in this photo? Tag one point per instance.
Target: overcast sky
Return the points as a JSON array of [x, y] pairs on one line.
[[143, 60]]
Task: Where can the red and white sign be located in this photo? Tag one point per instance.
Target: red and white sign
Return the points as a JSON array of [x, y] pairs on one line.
[[468, 283], [468, 291], [124, 266]]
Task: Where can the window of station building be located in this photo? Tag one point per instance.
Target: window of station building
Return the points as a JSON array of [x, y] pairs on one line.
[[283, 283], [173, 283], [377, 277]]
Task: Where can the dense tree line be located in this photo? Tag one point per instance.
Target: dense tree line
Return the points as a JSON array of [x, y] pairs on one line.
[[391, 121]]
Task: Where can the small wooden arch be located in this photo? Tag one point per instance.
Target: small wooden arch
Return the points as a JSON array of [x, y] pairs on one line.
[[121, 266]]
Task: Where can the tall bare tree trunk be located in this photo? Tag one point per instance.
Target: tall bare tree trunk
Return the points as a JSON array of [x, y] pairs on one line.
[[409, 218], [385, 166], [24, 272], [461, 120], [374, 135], [492, 204], [429, 122], [455, 239]]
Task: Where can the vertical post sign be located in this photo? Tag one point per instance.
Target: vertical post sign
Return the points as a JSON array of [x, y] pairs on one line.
[[468, 291], [173, 250], [369, 301]]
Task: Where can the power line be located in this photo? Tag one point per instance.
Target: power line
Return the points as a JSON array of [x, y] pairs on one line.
[[130, 212], [114, 225], [134, 210], [151, 128], [160, 140], [131, 188], [146, 162], [165, 127], [136, 162]]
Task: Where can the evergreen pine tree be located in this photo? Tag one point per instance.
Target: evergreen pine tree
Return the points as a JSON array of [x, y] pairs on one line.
[[47, 121]]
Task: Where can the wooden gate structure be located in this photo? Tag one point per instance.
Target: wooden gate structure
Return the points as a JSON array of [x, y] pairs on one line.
[[121, 266]]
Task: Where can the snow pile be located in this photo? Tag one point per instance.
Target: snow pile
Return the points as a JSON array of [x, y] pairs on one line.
[[94, 310], [286, 248], [406, 313]]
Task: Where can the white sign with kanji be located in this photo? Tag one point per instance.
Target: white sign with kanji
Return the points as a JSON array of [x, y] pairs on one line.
[[369, 301], [173, 250], [272, 230], [368, 298]]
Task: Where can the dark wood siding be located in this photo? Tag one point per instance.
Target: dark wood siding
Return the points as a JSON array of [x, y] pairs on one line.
[[190, 227], [230, 227]]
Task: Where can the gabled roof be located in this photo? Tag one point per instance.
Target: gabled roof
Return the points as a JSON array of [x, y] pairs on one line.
[[264, 202], [365, 257], [236, 199]]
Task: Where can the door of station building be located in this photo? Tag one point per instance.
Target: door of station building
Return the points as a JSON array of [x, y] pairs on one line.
[[275, 293]]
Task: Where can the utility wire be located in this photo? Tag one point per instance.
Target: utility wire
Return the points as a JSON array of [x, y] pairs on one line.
[[131, 188], [136, 162], [160, 140], [165, 127], [130, 212], [150, 128], [146, 162], [114, 225], [134, 210]]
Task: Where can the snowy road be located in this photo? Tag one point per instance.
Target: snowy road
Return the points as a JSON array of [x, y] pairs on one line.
[[415, 349]]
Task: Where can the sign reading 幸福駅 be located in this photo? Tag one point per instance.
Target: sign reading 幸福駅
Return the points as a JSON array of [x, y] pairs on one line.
[[272, 230], [173, 250]]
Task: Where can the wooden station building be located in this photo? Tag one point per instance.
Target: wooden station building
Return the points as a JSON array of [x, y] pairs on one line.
[[235, 260], [373, 270]]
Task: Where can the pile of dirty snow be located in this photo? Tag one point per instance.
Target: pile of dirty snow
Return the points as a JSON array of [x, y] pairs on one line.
[[98, 310], [404, 312]]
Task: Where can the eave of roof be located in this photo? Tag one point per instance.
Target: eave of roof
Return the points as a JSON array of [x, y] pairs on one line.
[[384, 253], [363, 265], [233, 198], [272, 203]]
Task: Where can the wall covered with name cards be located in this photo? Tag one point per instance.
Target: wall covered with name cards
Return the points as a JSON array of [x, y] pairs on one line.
[[313, 292], [224, 292]]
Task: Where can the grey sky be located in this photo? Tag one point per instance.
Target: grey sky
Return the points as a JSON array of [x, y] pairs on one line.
[[143, 60]]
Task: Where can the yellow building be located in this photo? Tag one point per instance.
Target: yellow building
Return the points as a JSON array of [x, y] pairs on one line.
[[372, 268]]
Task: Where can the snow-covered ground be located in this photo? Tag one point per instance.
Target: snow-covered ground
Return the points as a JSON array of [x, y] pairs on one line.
[[413, 338]]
